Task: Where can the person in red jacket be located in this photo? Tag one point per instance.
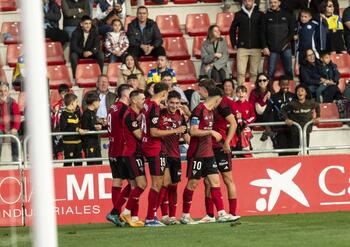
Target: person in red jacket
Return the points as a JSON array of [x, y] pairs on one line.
[[10, 118]]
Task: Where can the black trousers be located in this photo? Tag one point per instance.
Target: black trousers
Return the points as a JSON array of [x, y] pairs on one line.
[[282, 139], [92, 150], [294, 138], [138, 52], [56, 34], [72, 151], [74, 58], [218, 75]]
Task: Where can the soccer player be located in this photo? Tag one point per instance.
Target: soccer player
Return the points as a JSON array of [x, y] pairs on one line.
[[151, 147], [223, 117], [119, 169], [171, 118], [201, 159], [132, 157]]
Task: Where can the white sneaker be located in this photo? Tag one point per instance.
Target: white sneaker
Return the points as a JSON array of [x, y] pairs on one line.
[[207, 219], [225, 217], [173, 221], [187, 220]]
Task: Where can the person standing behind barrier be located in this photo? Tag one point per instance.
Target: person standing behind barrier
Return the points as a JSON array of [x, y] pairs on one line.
[[91, 143], [10, 118], [70, 122], [300, 111], [248, 21]]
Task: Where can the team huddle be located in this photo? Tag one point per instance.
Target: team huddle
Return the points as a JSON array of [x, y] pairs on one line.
[[150, 130]]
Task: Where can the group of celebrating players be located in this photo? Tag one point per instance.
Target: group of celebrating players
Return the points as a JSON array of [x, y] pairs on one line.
[[149, 130]]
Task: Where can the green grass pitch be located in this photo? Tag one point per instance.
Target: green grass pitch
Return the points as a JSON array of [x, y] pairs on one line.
[[323, 229]]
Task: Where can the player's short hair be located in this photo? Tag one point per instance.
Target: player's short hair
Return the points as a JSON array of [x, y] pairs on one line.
[[91, 97], [160, 87], [216, 92], [69, 98], [242, 89], [136, 93], [207, 83], [165, 74], [122, 88], [85, 18], [174, 94], [63, 88]]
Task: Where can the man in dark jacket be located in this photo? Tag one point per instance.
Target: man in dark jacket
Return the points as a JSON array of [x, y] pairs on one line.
[[52, 15], [85, 43], [73, 11], [144, 36], [248, 22], [278, 29]]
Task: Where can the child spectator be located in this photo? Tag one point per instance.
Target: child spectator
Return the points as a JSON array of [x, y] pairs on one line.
[[116, 42], [70, 122], [300, 111], [91, 143], [245, 114]]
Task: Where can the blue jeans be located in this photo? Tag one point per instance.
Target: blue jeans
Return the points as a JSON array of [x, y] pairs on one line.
[[286, 57], [69, 30], [317, 91]]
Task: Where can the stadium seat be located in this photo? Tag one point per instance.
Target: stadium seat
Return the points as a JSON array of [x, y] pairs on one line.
[[12, 54], [197, 24], [185, 87], [232, 52], [112, 73], [176, 48], [10, 30], [169, 25], [212, 1], [86, 90], [87, 74], [279, 68], [342, 84], [185, 71], [343, 63], [150, 2], [86, 61], [58, 74], [276, 86], [329, 111], [224, 20], [3, 77], [196, 46], [54, 53], [8, 5], [128, 19], [147, 65], [184, 1]]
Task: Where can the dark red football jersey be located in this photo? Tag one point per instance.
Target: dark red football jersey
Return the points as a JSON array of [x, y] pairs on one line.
[[246, 109], [201, 147], [150, 115], [168, 121], [131, 122], [114, 121], [220, 124]]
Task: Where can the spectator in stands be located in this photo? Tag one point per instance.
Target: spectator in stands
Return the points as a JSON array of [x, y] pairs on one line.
[[346, 23], [133, 81], [259, 98], [316, 6], [300, 111], [52, 15], [278, 30], [149, 90], [106, 10], [73, 11], [107, 98], [91, 143], [335, 41], [116, 42], [131, 66], [275, 105], [10, 118], [85, 43], [144, 36], [154, 75], [229, 90], [214, 56], [227, 3], [197, 97], [167, 77], [314, 74], [248, 22]]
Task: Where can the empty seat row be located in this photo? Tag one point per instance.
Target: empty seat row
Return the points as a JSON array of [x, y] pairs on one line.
[[8, 5]]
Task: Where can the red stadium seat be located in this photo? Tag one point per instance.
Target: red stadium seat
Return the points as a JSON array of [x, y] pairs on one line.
[[185, 71], [128, 19], [86, 61], [3, 77], [87, 74], [185, 87], [279, 68], [54, 53], [212, 1], [184, 1], [86, 90], [329, 111], [54, 97], [343, 63], [8, 5], [232, 52], [224, 20], [58, 74], [196, 46], [147, 58], [12, 28], [169, 25], [197, 24], [176, 48], [147, 65], [342, 84], [276, 86], [12, 54], [150, 2], [133, 2], [112, 73]]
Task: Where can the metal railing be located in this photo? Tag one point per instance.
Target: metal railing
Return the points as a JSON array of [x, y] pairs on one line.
[[285, 150], [334, 147]]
